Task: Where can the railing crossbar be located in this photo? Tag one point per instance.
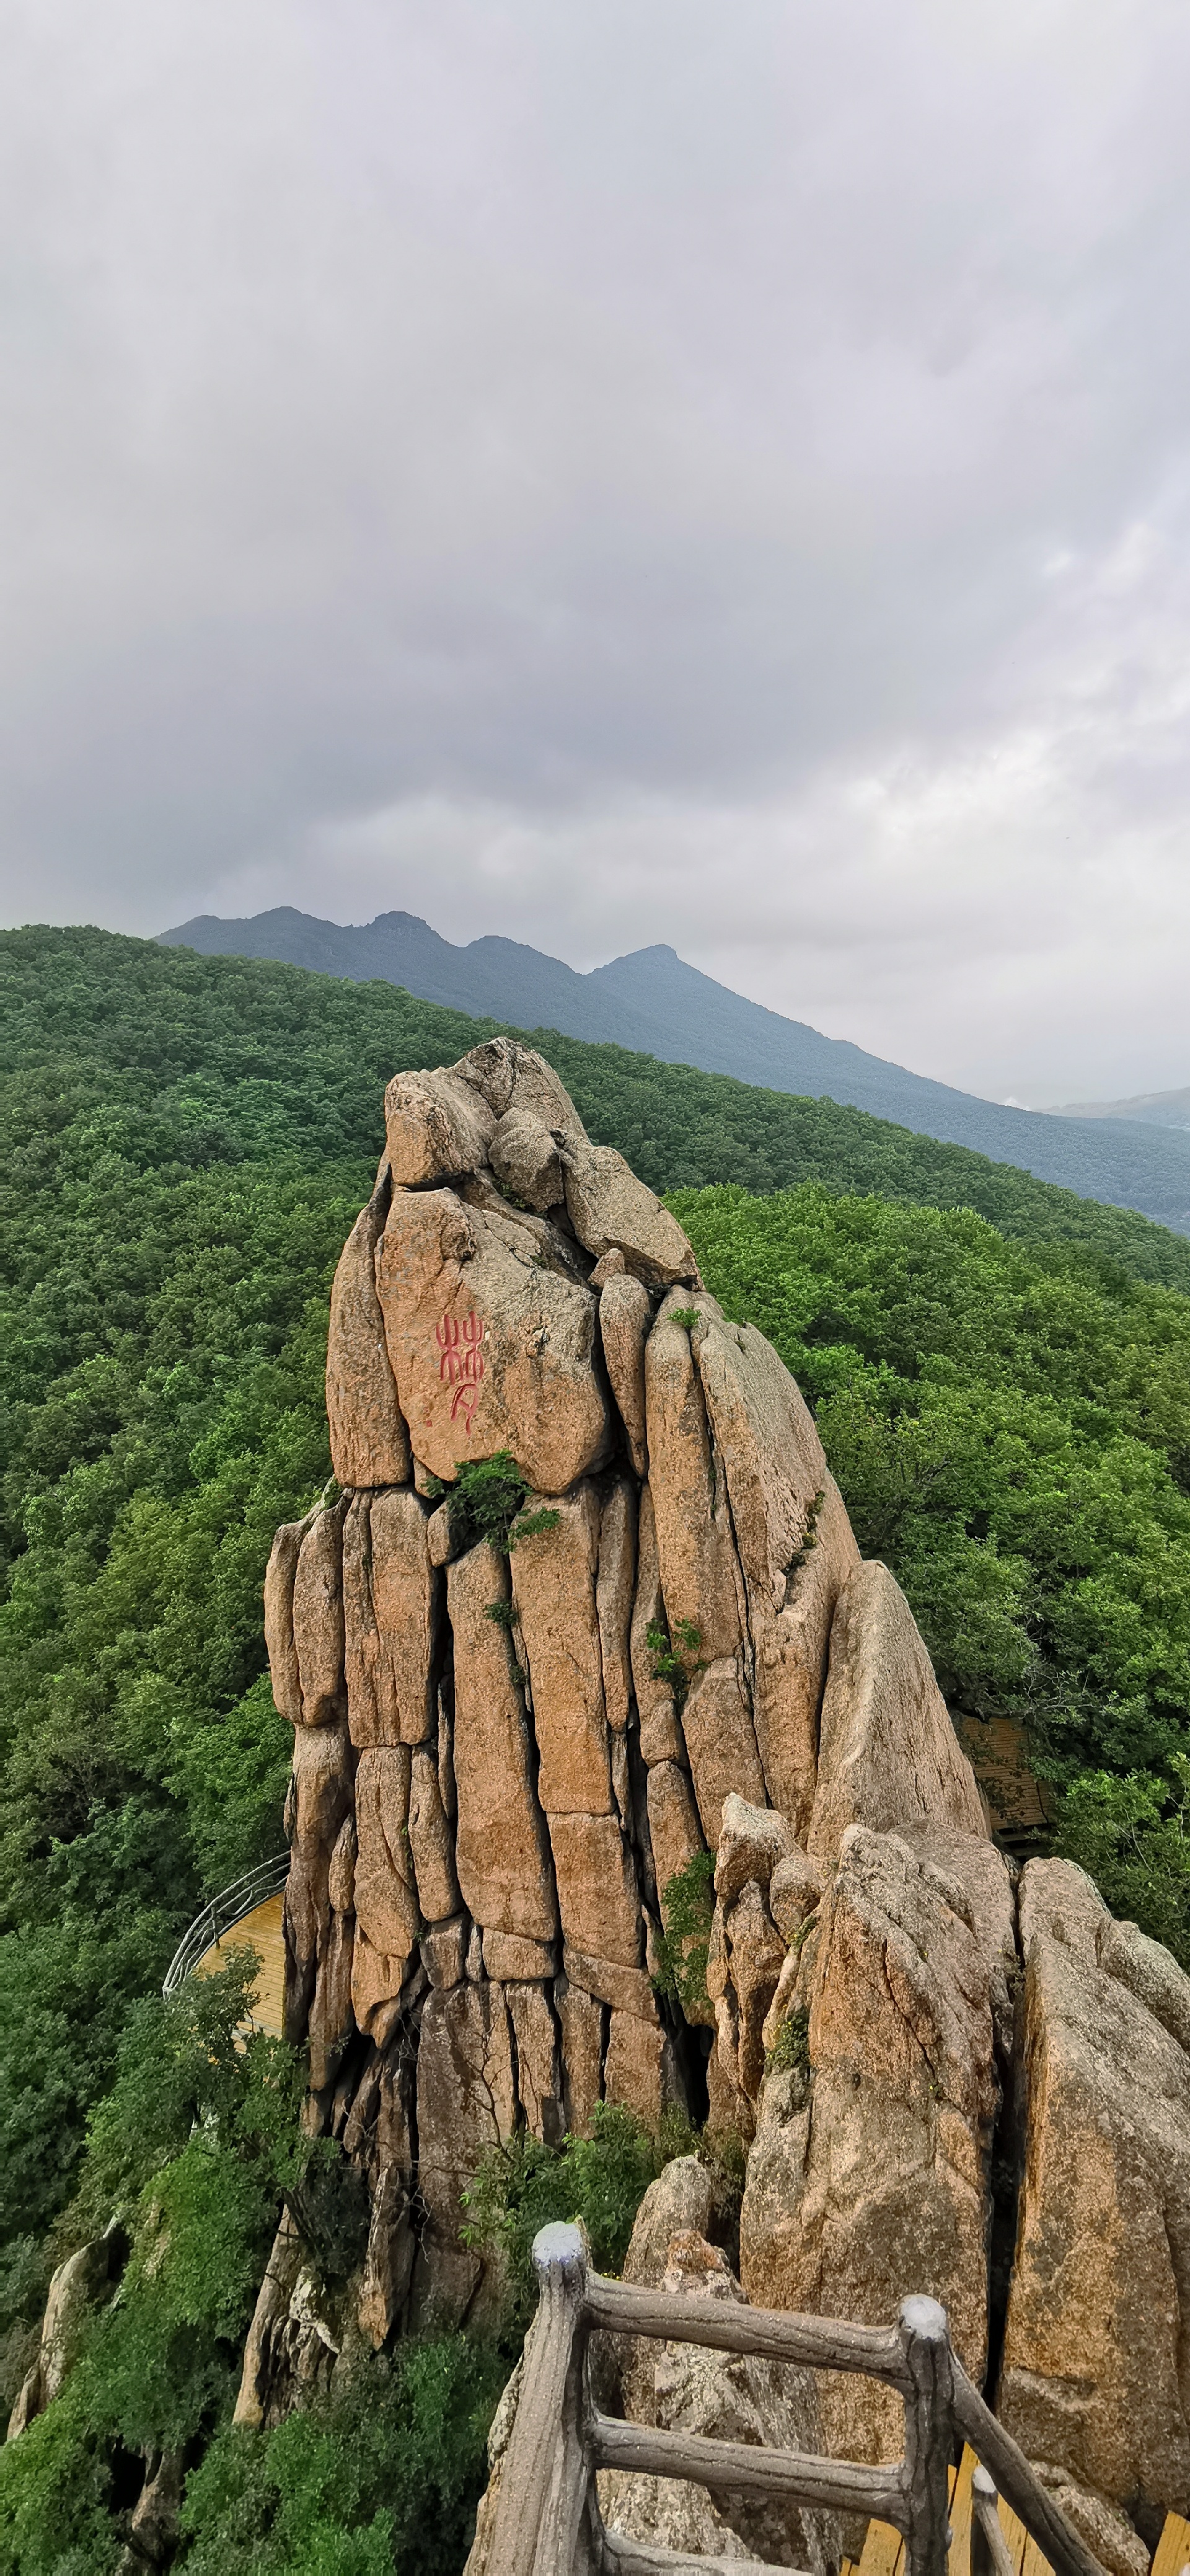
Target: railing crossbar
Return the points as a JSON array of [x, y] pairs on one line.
[[822, 2343], [747, 2468]]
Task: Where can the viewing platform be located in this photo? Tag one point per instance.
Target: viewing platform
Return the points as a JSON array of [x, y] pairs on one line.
[[247, 1915]]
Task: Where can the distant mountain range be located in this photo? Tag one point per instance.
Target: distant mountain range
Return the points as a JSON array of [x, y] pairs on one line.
[[654, 1003], [1151, 1108]]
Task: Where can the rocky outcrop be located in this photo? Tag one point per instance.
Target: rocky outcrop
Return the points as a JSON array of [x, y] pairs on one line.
[[1096, 2382], [79, 2286], [511, 1741], [889, 1756], [503, 1760], [870, 2173]]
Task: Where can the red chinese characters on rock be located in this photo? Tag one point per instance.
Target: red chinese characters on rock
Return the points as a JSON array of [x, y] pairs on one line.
[[461, 1365]]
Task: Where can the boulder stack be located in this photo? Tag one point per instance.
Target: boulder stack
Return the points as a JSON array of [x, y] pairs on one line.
[[523, 1708]]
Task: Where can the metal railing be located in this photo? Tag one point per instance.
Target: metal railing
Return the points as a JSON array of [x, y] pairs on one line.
[[217, 1917], [547, 2519]]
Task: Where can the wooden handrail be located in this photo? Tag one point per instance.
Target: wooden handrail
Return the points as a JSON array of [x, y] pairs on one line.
[[822, 2343], [797, 2477], [547, 2519]]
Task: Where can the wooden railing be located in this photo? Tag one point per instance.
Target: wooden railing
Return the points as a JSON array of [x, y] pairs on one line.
[[547, 2519]]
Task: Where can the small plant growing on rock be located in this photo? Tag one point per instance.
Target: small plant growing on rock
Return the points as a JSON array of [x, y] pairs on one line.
[[676, 1659], [688, 1908], [790, 2054], [487, 1501], [686, 1316]]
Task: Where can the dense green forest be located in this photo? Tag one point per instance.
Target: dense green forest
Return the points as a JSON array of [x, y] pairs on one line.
[[1001, 1373]]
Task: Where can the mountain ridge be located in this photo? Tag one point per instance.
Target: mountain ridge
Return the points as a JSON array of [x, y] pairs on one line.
[[653, 1002]]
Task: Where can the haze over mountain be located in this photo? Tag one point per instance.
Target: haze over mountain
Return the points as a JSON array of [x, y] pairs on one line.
[[654, 1003], [1151, 1108]]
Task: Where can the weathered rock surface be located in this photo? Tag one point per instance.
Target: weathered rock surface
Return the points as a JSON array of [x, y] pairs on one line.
[[369, 1439], [553, 1589], [502, 1851], [888, 1754], [318, 1618], [491, 1336], [728, 2397], [625, 1315], [869, 2178], [392, 1600], [500, 1766], [1096, 2380]]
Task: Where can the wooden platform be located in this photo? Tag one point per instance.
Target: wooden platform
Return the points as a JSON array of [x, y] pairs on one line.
[[998, 1753], [261, 1930], [884, 2548]]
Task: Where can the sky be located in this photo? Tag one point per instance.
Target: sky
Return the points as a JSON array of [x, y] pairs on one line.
[[640, 470]]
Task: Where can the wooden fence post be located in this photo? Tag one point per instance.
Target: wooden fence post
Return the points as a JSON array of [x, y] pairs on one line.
[[929, 2395], [542, 2521]]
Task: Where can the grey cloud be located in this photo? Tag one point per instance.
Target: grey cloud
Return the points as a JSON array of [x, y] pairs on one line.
[[614, 473]]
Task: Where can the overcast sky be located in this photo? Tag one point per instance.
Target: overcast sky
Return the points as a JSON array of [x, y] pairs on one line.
[[714, 471]]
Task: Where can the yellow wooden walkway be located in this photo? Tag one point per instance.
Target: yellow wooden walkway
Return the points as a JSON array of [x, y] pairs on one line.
[[884, 2548], [262, 1931]]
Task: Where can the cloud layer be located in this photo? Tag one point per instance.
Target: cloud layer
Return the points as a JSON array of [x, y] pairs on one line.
[[617, 473]]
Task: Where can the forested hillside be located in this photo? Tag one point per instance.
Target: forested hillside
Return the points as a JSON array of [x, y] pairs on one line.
[[1002, 1378]]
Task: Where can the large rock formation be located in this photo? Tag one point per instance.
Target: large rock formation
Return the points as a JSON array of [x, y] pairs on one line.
[[502, 1757], [513, 1730]]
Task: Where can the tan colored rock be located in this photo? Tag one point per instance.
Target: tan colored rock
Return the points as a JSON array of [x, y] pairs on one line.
[[688, 2388], [755, 1957], [466, 2104], [597, 1894], [444, 1950], [278, 1621], [869, 2178], [436, 1126], [507, 1958], [674, 1829], [341, 1874], [369, 1440], [502, 1852], [392, 1613], [491, 1347], [330, 2024], [385, 1895], [431, 1841], [639, 2069], [539, 2075], [615, 1592], [608, 1206], [322, 1789], [512, 1076], [701, 1581], [625, 1317], [629, 1989], [377, 1984], [525, 1161], [553, 1588], [795, 1889], [1094, 2380], [661, 1738], [790, 1661], [388, 2264], [752, 1841], [682, 2199], [1151, 1974], [440, 1545], [888, 1754], [407, 1601], [581, 2019], [720, 1742], [318, 1618]]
